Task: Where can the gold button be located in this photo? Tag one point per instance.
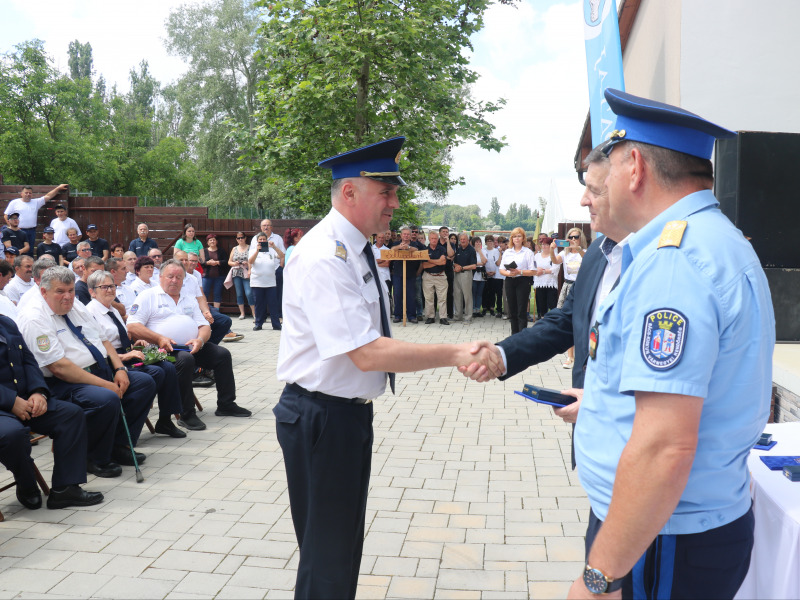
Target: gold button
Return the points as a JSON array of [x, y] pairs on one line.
[[10, 364], [20, 346], [15, 381]]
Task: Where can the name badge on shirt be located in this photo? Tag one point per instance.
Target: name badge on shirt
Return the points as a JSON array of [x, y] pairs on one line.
[[594, 337], [367, 276]]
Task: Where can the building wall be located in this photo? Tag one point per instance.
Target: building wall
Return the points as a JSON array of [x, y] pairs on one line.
[[652, 55], [739, 63]]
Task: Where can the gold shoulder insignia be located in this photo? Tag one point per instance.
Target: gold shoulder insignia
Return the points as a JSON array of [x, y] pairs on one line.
[[672, 234], [341, 251]]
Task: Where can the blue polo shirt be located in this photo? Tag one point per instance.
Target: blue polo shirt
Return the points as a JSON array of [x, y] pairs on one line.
[[695, 320], [141, 248]]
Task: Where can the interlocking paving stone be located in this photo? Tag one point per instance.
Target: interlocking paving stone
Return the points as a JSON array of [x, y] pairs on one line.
[[471, 496]]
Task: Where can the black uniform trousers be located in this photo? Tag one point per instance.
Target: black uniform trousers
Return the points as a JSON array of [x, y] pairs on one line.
[[518, 291], [709, 564], [210, 356], [65, 423], [411, 292], [327, 450], [102, 409], [169, 393], [546, 300]]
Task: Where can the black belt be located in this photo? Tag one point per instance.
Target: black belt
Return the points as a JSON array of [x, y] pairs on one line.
[[299, 389]]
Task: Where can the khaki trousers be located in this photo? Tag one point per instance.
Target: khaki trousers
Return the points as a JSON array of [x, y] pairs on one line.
[[434, 284], [462, 295]]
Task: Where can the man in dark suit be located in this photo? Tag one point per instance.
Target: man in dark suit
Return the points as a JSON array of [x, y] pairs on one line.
[[562, 328], [25, 404]]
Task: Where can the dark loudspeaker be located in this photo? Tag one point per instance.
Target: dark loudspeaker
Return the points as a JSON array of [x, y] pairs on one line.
[[757, 189]]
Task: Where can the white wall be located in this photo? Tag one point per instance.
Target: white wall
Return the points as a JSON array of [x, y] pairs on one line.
[[739, 63]]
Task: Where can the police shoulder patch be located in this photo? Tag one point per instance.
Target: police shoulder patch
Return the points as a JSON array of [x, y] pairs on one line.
[[133, 309], [43, 343], [672, 234], [664, 338], [341, 251]]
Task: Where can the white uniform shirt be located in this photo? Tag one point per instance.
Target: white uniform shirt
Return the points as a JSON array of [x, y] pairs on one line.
[[60, 235], [192, 285], [330, 307], [262, 271], [109, 330], [49, 338], [491, 261], [156, 310], [384, 272], [16, 287], [8, 309], [28, 211], [32, 292], [126, 295], [138, 285], [274, 237], [129, 278]]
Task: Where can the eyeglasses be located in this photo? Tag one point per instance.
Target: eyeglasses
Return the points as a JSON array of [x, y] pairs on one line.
[[106, 288], [573, 237]]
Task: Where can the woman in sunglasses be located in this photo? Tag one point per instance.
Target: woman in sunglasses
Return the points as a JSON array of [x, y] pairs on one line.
[[571, 258], [240, 272]]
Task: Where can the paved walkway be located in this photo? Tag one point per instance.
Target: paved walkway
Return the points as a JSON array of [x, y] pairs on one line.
[[471, 497]]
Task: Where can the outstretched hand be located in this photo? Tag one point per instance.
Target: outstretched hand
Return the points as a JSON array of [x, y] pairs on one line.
[[484, 362]]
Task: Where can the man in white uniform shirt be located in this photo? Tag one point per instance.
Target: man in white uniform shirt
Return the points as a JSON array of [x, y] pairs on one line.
[[335, 351], [60, 225], [39, 267], [129, 260], [22, 281], [168, 315], [67, 343]]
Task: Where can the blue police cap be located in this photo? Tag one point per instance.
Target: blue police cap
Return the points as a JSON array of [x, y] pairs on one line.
[[380, 161], [11, 250], [659, 124], [48, 230]]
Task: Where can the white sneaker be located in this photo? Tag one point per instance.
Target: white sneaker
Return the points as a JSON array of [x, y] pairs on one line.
[[505, 317], [241, 317]]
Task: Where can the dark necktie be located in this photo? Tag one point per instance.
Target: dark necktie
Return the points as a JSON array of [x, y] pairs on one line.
[[384, 319], [102, 364], [124, 340]]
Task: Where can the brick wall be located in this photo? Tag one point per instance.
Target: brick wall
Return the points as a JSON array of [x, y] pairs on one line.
[[785, 405]]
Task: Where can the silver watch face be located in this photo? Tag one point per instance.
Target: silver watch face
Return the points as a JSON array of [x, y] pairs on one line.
[[595, 581]]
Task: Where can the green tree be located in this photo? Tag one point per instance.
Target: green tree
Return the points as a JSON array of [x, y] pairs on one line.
[[80, 60], [343, 74], [495, 216]]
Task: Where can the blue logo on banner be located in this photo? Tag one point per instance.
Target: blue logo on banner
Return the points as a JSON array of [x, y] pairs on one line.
[[603, 63]]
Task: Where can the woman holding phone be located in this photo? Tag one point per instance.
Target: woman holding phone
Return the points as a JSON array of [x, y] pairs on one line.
[[571, 258], [517, 266], [265, 258]]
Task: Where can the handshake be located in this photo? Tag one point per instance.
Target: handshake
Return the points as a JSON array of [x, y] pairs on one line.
[[480, 361]]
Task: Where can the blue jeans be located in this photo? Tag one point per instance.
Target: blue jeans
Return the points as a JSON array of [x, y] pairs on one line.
[[220, 327], [212, 286], [243, 290], [477, 295]]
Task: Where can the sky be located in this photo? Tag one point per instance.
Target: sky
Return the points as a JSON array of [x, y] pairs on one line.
[[532, 55]]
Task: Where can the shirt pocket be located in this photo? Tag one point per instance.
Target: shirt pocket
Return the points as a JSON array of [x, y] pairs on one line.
[[605, 345]]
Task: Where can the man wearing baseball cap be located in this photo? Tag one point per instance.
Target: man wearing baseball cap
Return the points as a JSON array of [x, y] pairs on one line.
[[680, 372]]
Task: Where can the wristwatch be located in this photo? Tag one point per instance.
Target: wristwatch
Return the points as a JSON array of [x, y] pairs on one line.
[[597, 583], [122, 368]]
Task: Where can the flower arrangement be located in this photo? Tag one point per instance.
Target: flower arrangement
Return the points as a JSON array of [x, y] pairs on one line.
[[152, 354]]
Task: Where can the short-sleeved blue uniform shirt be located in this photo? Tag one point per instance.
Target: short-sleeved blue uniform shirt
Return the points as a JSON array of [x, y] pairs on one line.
[[693, 319]]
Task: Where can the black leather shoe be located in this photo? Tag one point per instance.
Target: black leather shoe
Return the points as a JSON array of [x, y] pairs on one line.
[[209, 373], [232, 410], [30, 498], [202, 381], [122, 456], [167, 427], [111, 469], [257, 328], [73, 495], [192, 422], [396, 320], [444, 322], [429, 321]]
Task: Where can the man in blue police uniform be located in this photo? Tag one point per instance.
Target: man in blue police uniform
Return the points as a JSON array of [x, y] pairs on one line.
[[335, 351], [25, 404], [679, 376]]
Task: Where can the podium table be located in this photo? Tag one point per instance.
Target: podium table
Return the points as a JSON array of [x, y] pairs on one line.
[[775, 563]]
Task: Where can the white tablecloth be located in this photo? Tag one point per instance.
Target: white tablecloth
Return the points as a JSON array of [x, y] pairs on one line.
[[775, 564]]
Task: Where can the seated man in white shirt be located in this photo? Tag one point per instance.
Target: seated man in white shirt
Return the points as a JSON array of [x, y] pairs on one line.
[[23, 278], [68, 344], [39, 267], [129, 260], [125, 296], [158, 258], [168, 315]]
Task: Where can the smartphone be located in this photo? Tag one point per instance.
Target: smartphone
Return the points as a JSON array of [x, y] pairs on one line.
[[180, 348], [262, 247], [562, 243]]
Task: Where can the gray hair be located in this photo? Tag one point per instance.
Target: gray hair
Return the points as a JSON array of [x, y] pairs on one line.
[[466, 233], [596, 156], [113, 263], [672, 168], [81, 245], [41, 265], [18, 260], [56, 275], [173, 262], [98, 277], [405, 228], [191, 254]]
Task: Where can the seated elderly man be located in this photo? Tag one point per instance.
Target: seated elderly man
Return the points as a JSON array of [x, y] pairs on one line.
[[26, 404], [168, 315], [102, 289], [67, 343], [90, 265], [129, 261], [39, 267], [124, 296], [23, 278]]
